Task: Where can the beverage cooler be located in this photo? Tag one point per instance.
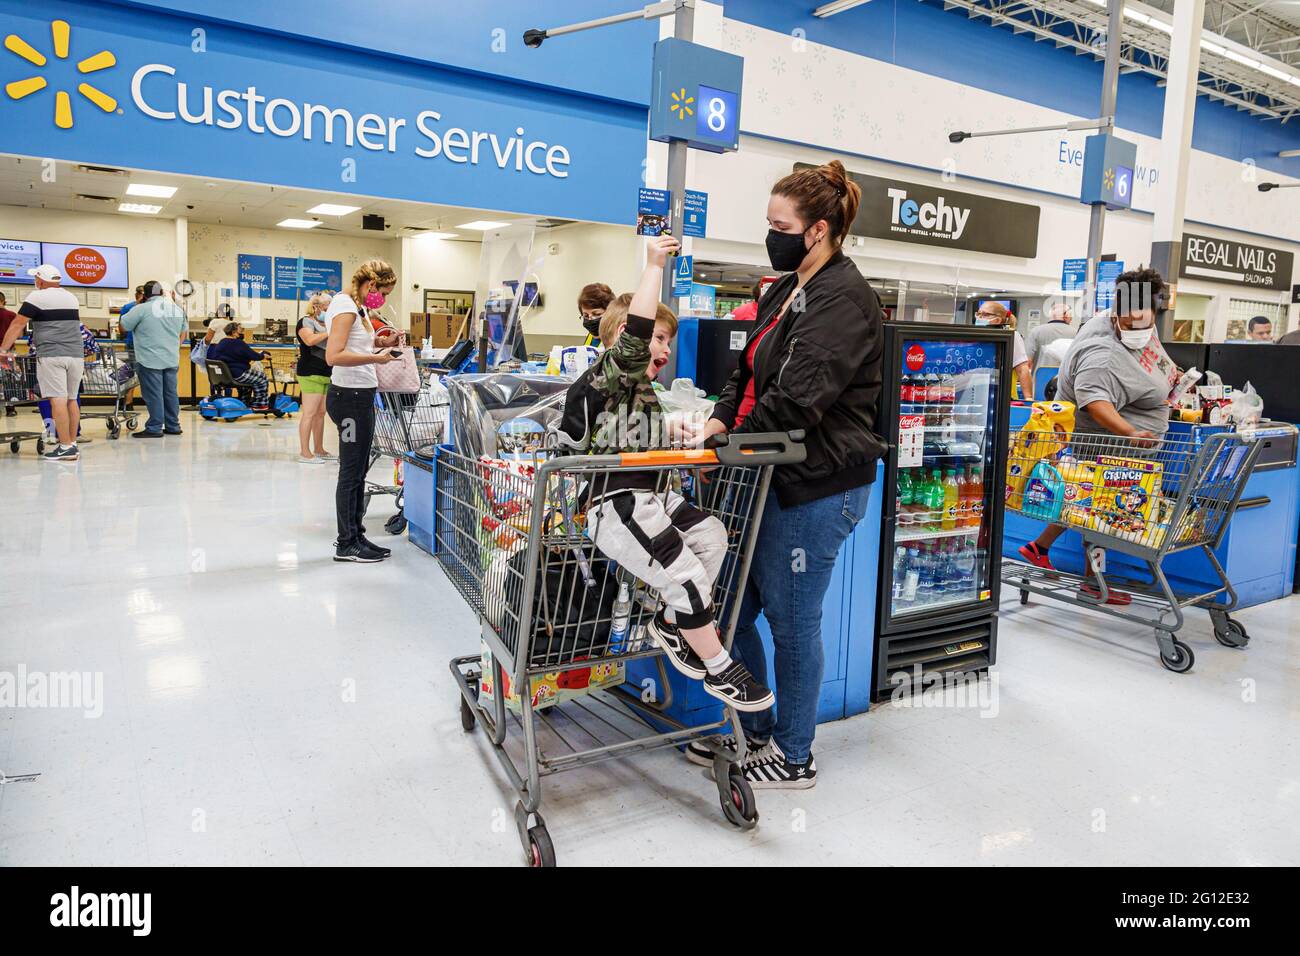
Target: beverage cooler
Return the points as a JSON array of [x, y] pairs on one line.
[[944, 413]]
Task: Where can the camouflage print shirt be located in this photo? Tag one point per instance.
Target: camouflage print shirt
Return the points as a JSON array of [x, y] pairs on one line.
[[612, 407]]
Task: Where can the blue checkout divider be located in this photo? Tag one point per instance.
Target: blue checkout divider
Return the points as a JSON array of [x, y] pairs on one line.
[[1258, 551], [418, 504], [848, 634]]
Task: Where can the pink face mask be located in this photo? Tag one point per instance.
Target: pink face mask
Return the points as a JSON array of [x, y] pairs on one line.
[[374, 300]]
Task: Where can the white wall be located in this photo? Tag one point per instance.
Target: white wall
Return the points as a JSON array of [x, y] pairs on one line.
[[434, 264], [586, 253], [150, 242]]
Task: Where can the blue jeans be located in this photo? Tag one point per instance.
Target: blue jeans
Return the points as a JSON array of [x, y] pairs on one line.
[[793, 559], [158, 386]]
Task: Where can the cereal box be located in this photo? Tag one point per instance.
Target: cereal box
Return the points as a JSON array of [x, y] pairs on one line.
[[1124, 494]]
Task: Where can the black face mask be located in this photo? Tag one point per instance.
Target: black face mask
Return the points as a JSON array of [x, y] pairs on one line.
[[592, 324], [785, 250]]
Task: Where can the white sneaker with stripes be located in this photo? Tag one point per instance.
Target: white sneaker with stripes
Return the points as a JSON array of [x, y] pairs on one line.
[[768, 769]]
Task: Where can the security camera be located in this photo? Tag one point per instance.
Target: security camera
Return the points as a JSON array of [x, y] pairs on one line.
[[534, 38], [1265, 187], [957, 136]]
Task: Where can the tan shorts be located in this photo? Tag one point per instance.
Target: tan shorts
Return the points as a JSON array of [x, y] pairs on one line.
[[59, 376]]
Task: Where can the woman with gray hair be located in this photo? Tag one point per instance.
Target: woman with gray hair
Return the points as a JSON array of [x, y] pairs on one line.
[[313, 380]]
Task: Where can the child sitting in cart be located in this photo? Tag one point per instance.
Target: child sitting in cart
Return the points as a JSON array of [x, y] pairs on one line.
[[656, 535]]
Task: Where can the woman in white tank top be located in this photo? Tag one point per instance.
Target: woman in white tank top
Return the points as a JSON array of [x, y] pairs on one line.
[[353, 350]]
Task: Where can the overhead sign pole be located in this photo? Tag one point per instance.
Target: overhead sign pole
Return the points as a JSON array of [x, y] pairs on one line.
[[1109, 93], [683, 29]]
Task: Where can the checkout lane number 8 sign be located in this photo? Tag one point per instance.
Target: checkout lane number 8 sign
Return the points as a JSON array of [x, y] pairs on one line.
[[717, 113]]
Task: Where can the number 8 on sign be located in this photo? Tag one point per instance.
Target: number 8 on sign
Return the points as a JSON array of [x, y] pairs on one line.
[[717, 109]]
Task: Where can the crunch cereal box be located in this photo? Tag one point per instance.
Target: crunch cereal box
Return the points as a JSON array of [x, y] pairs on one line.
[[1124, 493]]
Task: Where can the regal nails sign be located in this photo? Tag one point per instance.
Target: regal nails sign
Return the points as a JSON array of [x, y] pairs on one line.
[[937, 216], [1239, 263], [173, 95]]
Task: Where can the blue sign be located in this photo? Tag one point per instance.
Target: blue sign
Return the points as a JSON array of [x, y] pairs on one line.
[[1074, 274], [254, 276], [653, 215], [1108, 164], [267, 107], [307, 275], [695, 214], [695, 96], [702, 298], [1107, 273], [683, 276]]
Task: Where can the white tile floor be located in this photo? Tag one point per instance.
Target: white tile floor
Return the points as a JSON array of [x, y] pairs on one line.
[[262, 704]]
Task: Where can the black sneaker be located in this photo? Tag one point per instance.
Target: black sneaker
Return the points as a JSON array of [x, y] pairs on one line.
[[697, 752], [737, 687], [62, 454], [173, 431], [770, 770], [680, 654], [374, 547], [360, 552], [146, 434]]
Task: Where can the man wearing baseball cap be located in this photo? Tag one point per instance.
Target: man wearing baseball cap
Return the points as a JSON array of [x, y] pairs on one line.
[[55, 319]]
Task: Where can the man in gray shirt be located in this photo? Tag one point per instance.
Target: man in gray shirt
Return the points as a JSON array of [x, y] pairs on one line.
[[1057, 327], [55, 318]]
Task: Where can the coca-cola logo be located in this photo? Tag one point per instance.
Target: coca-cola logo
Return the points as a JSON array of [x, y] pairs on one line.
[[915, 358]]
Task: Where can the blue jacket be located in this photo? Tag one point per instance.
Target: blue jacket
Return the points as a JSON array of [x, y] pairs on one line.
[[236, 354]]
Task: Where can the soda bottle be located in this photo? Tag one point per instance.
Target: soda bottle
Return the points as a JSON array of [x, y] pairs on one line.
[[951, 496], [976, 497], [935, 503]]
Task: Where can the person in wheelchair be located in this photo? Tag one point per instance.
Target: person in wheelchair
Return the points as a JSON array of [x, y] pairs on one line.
[[245, 365]]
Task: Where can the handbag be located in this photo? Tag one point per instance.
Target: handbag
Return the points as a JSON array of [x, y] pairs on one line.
[[199, 354], [400, 376]]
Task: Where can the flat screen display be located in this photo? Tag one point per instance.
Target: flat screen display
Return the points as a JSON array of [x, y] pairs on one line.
[[16, 257], [97, 267]]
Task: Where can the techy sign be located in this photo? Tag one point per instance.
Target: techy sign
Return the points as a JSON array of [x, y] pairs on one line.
[[158, 93]]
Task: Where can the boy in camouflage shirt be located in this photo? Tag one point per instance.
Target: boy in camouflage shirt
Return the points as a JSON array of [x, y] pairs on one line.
[[658, 536]]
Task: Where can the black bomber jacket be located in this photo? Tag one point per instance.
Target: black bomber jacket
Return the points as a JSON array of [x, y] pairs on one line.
[[818, 370]]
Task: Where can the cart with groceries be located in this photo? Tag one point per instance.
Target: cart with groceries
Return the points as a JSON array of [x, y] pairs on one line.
[[110, 373], [559, 622], [1143, 498]]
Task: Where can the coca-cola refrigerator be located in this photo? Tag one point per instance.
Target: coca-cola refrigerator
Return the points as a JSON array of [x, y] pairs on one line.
[[944, 413]]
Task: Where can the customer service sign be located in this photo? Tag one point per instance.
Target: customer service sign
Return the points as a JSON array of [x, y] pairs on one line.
[[122, 87]]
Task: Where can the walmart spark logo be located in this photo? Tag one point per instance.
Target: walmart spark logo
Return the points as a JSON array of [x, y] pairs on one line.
[[1108, 178], [61, 33], [681, 105]]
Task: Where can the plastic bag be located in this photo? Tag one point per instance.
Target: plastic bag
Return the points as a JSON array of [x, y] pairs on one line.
[[482, 403], [1247, 407], [685, 408]]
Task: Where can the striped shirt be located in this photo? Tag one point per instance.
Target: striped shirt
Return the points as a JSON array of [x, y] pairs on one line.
[[55, 322]]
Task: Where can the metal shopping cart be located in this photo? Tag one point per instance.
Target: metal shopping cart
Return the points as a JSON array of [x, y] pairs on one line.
[[18, 387], [1144, 500], [511, 539], [110, 373], [408, 429], [283, 372]]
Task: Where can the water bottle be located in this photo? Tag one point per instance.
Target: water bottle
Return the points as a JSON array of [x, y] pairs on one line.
[[621, 616], [942, 572], [900, 574], [911, 578], [925, 575], [964, 567]]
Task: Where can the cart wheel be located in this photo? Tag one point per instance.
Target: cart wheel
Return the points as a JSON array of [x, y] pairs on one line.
[[114, 430], [1024, 596], [40, 446], [1181, 661], [14, 446], [132, 423], [396, 524], [738, 802], [1231, 634], [540, 850], [467, 719]]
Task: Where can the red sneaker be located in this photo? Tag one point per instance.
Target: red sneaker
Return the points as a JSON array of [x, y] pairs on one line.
[[1092, 590], [1037, 558]]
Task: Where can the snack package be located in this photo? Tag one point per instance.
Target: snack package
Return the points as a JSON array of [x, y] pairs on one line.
[[552, 688], [1045, 436], [1125, 491]]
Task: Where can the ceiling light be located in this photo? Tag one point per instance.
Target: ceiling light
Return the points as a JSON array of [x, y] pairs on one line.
[[837, 6], [153, 192], [331, 209], [298, 223], [139, 207], [482, 225], [434, 235]]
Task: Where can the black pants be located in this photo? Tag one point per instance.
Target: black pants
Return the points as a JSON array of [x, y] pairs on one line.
[[353, 411]]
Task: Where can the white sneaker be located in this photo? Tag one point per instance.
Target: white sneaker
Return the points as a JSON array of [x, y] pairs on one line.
[[308, 460], [326, 456]]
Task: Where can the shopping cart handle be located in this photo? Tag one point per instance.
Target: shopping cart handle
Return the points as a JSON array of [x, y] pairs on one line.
[[762, 448]]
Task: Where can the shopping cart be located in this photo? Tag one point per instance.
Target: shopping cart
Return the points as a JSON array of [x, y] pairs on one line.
[[110, 373], [283, 372], [18, 387], [408, 429], [1139, 498], [510, 538]]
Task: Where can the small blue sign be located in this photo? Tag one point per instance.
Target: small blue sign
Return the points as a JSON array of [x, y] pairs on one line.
[[695, 214], [1107, 273], [254, 276], [653, 217], [695, 96], [683, 276], [1108, 164], [1074, 274], [703, 298], [298, 275]]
